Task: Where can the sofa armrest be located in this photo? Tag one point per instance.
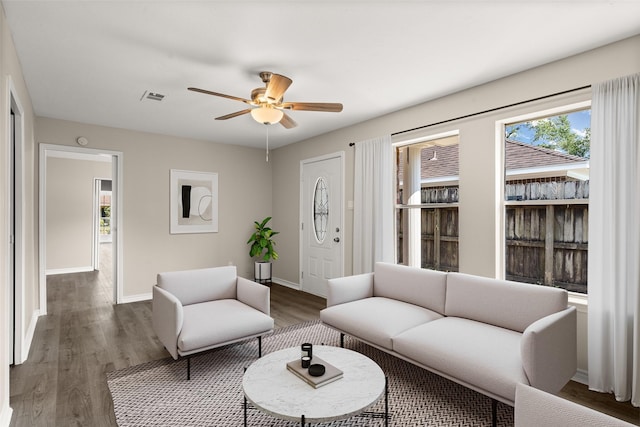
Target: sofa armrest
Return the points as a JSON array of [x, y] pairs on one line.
[[167, 319], [549, 350], [254, 295], [350, 288]]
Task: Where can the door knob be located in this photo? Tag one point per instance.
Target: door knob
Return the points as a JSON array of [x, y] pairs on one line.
[[336, 239]]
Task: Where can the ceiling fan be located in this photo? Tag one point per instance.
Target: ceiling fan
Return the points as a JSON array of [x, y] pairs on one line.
[[267, 104]]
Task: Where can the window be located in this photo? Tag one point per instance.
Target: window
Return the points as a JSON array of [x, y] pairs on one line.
[[547, 200], [427, 204]]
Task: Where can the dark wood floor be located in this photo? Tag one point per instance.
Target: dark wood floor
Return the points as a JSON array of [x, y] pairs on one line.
[[85, 335]]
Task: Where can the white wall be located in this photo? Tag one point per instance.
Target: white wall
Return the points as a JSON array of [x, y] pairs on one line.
[[10, 71], [70, 212], [480, 155], [244, 185]]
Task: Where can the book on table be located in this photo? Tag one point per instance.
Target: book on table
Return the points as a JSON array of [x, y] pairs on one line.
[[330, 375]]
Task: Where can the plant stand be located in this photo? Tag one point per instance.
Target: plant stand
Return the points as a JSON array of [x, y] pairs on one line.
[[262, 272]]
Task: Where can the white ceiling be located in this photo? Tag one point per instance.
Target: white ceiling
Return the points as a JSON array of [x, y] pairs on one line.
[[91, 61]]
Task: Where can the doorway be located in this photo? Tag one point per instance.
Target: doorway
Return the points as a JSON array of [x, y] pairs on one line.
[[322, 222], [50, 262]]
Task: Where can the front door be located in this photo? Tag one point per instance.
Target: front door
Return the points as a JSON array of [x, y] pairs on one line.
[[322, 222]]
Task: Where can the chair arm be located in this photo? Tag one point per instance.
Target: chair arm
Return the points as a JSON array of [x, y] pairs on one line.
[[549, 350], [167, 318], [535, 408], [350, 288], [254, 295]]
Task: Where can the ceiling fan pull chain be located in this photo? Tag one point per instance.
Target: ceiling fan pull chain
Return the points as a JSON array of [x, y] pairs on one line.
[[267, 126]]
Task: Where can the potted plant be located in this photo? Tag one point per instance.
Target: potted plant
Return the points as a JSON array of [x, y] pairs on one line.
[[262, 244]]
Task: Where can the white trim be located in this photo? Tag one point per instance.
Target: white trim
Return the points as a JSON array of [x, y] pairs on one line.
[[18, 309], [31, 330], [117, 159], [5, 415], [340, 155], [286, 283], [55, 271], [135, 298], [581, 377], [426, 138]]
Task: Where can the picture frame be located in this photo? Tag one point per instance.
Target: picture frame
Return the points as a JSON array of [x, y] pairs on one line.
[[193, 202]]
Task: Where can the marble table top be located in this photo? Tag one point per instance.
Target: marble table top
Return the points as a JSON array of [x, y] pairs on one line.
[[269, 386]]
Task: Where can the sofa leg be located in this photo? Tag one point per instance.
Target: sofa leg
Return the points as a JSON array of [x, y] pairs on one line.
[[341, 340], [259, 347], [188, 368], [494, 412]]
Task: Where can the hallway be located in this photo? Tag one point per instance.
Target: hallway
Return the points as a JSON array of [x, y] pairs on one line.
[[83, 336]]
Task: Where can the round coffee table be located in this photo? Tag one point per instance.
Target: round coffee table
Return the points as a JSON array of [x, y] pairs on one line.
[[270, 387]]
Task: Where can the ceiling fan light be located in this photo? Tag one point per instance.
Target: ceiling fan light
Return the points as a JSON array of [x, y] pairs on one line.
[[266, 115]]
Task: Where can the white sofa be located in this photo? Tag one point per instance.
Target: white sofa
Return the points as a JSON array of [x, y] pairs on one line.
[[535, 408], [198, 310], [485, 334]]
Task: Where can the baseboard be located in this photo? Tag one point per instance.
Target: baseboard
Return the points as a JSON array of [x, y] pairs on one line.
[[54, 271], [581, 377], [286, 283], [135, 298], [5, 415], [28, 337]]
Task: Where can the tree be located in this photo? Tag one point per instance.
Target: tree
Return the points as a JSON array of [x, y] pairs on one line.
[[556, 134]]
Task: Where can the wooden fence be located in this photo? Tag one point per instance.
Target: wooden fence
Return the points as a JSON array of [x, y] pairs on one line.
[[439, 239], [545, 244]]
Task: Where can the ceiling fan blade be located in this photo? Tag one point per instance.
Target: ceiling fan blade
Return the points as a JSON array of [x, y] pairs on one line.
[[232, 115], [288, 122], [208, 92], [277, 86], [330, 107]]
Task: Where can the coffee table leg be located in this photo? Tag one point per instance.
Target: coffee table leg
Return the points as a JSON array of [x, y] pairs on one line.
[[386, 401], [245, 411]]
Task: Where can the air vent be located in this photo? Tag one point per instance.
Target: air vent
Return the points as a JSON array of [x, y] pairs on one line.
[[154, 96]]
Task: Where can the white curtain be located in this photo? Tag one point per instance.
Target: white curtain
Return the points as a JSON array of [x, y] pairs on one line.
[[614, 239], [373, 206]]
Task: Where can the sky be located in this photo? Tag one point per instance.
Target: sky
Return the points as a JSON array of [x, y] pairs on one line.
[[580, 120]]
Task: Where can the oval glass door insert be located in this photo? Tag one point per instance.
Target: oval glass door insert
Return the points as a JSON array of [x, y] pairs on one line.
[[320, 209]]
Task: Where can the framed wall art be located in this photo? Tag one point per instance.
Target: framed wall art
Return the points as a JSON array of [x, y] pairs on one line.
[[194, 202]]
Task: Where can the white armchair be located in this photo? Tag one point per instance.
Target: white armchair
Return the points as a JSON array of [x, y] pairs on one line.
[[535, 408], [198, 310]]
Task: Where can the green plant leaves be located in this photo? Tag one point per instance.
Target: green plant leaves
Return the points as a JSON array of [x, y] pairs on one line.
[[261, 241]]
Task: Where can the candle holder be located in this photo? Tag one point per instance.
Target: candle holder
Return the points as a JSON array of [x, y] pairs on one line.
[[307, 350]]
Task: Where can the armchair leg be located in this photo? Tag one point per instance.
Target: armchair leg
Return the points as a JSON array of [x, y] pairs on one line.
[[259, 346], [494, 412], [188, 368], [341, 340]]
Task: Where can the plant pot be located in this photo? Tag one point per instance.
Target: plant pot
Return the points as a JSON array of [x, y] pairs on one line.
[[262, 272]]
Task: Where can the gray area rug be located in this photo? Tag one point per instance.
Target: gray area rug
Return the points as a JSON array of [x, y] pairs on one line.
[[158, 394]]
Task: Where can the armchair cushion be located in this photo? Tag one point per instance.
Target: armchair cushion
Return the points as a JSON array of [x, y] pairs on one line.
[[215, 323]]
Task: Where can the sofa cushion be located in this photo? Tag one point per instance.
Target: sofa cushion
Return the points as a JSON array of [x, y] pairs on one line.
[[376, 319], [475, 353], [418, 286], [510, 305], [234, 319], [195, 286]]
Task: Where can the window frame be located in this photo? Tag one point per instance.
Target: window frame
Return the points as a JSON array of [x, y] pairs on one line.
[[500, 125]]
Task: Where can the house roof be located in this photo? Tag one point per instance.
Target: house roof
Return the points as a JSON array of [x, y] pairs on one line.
[[518, 156]]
